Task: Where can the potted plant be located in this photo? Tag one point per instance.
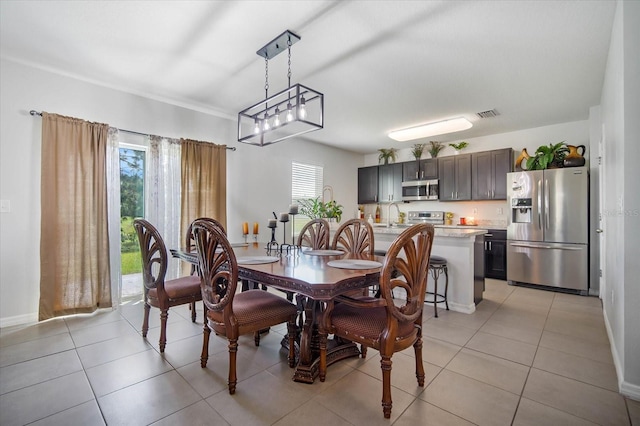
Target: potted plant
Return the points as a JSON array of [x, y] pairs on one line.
[[459, 146], [546, 157], [314, 208], [449, 218], [435, 148], [386, 155], [417, 149]]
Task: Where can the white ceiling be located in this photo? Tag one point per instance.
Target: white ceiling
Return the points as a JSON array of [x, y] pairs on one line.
[[382, 65]]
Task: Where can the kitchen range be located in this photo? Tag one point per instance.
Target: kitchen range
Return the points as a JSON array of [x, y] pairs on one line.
[[548, 228]]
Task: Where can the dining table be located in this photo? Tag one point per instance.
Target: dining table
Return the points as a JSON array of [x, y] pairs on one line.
[[315, 277]]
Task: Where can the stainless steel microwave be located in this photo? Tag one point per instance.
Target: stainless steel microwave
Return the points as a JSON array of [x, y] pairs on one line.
[[418, 190]]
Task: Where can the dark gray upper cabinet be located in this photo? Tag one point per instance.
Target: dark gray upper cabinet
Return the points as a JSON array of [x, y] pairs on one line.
[[454, 173], [420, 170], [390, 183], [368, 185], [489, 174]]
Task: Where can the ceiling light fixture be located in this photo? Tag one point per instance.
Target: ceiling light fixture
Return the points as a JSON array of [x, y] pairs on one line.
[[431, 129], [303, 107]]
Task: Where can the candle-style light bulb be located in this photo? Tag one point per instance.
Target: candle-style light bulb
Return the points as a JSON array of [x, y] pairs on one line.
[[302, 110], [256, 129], [289, 112], [265, 124], [276, 118]]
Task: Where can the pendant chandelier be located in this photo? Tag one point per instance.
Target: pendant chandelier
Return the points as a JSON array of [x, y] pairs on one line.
[[294, 111]]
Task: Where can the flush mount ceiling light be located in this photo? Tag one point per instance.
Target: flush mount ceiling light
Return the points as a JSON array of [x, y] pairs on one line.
[[431, 129], [292, 112]]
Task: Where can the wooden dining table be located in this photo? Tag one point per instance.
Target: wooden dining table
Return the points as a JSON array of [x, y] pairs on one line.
[[310, 275]]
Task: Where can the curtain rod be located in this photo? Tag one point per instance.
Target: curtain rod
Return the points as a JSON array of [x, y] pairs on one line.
[[34, 112]]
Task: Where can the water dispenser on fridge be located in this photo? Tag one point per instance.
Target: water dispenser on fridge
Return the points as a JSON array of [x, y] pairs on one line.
[[521, 210]]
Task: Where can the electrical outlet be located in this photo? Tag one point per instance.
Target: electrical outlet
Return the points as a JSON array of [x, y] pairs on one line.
[[499, 210], [475, 211], [5, 206]]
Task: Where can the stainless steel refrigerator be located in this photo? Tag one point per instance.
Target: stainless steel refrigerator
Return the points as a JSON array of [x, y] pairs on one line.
[[548, 228]]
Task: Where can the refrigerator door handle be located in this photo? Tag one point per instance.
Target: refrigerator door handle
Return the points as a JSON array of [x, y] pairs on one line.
[[540, 204], [544, 247], [546, 203]]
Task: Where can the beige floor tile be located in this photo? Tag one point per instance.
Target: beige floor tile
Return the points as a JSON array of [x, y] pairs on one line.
[[312, 413], [145, 402], [576, 346], [578, 368], [111, 350], [443, 330], [634, 411], [357, 398], [36, 402], [199, 413], [21, 375], [403, 372], [594, 321], [101, 332], [520, 332], [83, 414], [487, 306], [583, 331], [563, 299], [33, 349], [531, 413], [255, 401], [21, 334], [176, 332], [123, 372], [421, 413], [473, 321], [134, 314], [101, 316], [579, 399], [517, 317], [470, 399], [498, 372], [438, 352], [502, 347]]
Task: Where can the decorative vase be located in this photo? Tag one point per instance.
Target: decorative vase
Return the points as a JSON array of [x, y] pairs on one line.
[[575, 158], [522, 158], [456, 152]]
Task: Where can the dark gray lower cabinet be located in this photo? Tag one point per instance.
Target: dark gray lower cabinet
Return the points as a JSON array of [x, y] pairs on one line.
[[495, 254]]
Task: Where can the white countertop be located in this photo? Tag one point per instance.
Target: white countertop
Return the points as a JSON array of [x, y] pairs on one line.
[[441, 231]]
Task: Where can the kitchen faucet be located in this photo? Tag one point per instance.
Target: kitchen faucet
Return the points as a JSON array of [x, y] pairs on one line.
[[389, 213]]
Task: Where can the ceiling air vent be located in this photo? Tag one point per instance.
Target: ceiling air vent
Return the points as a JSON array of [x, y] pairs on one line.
[[487, 114]]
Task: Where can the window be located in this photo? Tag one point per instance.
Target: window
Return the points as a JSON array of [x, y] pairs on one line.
[[306, 182]]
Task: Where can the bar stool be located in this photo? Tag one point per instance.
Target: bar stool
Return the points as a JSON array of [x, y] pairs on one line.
[[438, 265]]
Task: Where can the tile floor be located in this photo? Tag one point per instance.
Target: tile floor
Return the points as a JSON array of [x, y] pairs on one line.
[[525, 357]]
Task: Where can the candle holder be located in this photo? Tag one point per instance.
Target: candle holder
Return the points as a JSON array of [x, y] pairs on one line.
[[293, 219], [284, 218], [273, 224], [255, 238], [245, 238]]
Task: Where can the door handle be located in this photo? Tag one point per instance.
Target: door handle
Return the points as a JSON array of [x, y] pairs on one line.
[[599, 231]]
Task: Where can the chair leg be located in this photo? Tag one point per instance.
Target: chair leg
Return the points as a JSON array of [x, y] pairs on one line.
[[256, 337], [446, 285], [233, 351], [417, 347], [435, 293], [204, 357], [363, 351], [145, 320], [291, 331], [193, 311], [322, 373], [385, 365], [164, 314]]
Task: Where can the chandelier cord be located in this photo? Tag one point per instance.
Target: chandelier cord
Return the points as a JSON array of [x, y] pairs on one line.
[[289, 70]]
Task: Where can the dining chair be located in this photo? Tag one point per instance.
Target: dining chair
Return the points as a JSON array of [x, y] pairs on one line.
[[159, 293], [354, 236], [230, 314], [190, 244], [380, 323], [315, 234]]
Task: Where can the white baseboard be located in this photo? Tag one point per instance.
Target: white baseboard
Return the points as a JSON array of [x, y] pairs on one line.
[[625, 388], [19, 320], [459, 307]]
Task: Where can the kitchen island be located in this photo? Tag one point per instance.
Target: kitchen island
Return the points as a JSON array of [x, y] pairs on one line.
[[464, 250]]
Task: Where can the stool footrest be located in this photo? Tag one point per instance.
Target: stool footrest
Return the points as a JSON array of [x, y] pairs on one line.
[[436, 298]]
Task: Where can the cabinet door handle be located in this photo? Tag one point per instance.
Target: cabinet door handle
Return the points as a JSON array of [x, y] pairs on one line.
[[422, 174], [489, 245], [485, 245], [452, 195], [416, 175]]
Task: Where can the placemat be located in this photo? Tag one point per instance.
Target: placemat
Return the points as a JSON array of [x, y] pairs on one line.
[[256, 260], [354, 264], [324, 252]]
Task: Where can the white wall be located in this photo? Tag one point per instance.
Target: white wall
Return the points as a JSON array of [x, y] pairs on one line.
[[573, 133], [620, 195], [258, 178]]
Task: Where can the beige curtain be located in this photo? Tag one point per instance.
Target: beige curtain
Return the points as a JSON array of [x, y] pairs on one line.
[[204, 182], [74, 242]]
